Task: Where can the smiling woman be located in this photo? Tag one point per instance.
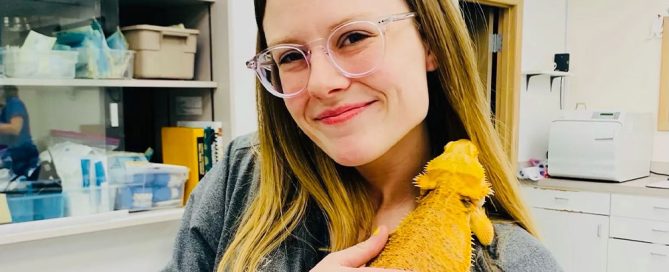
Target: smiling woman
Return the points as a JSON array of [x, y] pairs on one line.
[[354, 97]]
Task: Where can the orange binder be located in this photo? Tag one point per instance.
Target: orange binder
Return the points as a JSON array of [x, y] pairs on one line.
[[185, 146]]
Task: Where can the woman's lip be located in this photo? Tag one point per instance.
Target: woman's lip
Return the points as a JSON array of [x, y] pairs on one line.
[[344, 116]]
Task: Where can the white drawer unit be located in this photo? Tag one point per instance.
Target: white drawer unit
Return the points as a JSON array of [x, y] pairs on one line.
[[651, 208], [626, 256], [586, 202], [640, 230]]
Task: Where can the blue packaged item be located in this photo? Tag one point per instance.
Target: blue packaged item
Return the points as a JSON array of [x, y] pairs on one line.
[[160, 180], [117, 41], [85, 173], [21, 207], [145, 179], [156, 185], [162, 194], [123, 198], [36, 200], [98, 57], [142, 198], [99, 173]]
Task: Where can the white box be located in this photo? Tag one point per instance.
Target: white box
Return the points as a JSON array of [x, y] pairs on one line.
[[611, 146]]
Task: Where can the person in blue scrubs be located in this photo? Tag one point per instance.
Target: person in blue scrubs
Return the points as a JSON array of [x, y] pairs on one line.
[[19, 152]]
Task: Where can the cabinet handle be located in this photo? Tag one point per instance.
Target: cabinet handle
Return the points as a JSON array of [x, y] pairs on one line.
[[599, 231], [557, 198], [660, 230], [660, 208], [658, 254]]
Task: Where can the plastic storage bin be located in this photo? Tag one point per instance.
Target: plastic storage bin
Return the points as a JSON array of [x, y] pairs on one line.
[[151, 185], [105, 64], [89, 201], [52, 64], [30, 207], [162, 52]]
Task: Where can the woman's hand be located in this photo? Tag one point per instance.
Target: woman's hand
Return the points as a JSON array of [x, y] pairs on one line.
[[354, 258]]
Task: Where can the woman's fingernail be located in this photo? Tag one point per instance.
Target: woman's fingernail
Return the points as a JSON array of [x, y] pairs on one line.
[[376, 231]]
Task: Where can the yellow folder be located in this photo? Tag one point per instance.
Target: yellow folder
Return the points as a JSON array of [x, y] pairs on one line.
[[5, 215], [185, 146]]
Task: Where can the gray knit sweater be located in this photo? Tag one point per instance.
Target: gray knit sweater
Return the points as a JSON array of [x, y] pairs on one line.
[[216, 204]]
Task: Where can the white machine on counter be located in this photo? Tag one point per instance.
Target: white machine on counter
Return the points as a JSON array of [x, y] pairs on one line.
[[611, 146]]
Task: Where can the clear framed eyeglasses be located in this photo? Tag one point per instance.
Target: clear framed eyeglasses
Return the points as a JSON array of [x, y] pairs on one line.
[[355, 49]]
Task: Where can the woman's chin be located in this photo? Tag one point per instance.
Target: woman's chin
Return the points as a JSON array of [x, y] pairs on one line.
[[353, 155]]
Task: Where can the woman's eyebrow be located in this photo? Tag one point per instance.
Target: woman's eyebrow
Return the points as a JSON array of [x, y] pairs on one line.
[[288, 40]]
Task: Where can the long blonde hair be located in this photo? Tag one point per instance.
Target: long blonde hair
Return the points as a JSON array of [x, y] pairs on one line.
[[295, 173]]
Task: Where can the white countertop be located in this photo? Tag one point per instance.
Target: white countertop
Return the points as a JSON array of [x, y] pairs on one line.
[[51, 228], [633, 187]]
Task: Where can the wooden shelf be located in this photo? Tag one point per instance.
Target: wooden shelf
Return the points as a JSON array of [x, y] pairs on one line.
[[139, 83]]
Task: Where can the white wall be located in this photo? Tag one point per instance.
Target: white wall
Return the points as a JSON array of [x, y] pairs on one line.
[[233, 24], [615, 65], [543, 36]]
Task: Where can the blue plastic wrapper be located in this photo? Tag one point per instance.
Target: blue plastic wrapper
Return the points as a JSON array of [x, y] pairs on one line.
[[99, 57]]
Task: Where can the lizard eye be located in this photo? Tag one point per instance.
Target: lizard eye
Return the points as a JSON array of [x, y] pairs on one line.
[[466, 201]]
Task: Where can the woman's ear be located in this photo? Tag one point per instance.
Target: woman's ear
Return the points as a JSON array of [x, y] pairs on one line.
[[430, 61]]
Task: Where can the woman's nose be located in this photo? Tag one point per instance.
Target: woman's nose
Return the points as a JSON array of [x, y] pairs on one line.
[[324, 78]]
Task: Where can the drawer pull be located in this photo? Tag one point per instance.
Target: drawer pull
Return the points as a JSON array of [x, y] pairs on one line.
[[557, 198], [599, 230], [658, 254], [660, 208], [660, 230]]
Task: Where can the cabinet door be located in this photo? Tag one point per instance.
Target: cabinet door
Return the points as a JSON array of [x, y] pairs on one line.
[[637, 256], [578, 241]]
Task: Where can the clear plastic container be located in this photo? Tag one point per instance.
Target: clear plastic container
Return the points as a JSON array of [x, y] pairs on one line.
[[105, 64], [53, 64], [151, 185], [30, 207], [89, 201]]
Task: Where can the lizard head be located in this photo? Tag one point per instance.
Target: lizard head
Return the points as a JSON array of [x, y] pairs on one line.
[[457, 170]]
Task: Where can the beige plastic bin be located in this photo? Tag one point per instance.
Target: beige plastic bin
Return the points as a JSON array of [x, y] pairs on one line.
[[162, 52]]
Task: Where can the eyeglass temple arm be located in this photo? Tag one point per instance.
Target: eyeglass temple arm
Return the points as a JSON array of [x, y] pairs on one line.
[[397, 17]]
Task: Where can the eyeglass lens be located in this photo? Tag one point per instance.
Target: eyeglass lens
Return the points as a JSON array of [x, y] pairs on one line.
[[355, 49]]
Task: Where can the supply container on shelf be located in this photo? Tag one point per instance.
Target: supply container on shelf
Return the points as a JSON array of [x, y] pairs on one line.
[[105, 64], [34, 200], [162, 52], [52, 64], [151, 185], [89, 200], [31, 207]]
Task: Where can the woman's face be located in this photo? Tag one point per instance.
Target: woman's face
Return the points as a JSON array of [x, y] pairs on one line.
[[354, 120]]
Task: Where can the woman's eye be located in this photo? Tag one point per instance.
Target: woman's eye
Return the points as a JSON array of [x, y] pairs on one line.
[[289, 57], [352, 38]]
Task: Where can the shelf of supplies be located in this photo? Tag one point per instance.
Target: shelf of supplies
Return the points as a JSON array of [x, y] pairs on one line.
[[163, 3], [553, 75], [140, 83], [52, 228]]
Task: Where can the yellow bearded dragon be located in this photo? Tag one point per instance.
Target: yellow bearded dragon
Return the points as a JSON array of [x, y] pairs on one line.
[[437, 235]]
